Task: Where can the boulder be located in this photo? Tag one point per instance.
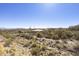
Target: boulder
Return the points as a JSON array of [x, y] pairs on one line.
[[2, 38]]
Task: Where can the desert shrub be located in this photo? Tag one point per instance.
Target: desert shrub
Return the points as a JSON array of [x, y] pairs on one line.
[[31, 43], [13, 49], [67, 35], [77, 38], [49, 35], [62, 34], [52, 52], [7, 35], [36, 48], [43, 48], [26, 36], [76, 35], [20, 32], [8, 42], [2, 50], [35, 51], [55, 36], [76, 28], [34, 45], [60, 46], [39, 34], [26, 44]]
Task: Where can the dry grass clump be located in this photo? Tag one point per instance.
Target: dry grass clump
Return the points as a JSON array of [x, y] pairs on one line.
[[2, 50]]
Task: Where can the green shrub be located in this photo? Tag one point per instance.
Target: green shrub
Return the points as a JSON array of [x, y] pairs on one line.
[[39, 34], [35, 51], [62, 34], [67, 35], [8, 42], [76, 35], [76, 28]]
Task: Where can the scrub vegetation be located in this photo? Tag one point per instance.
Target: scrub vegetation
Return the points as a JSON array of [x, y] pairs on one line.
[[40, 42]]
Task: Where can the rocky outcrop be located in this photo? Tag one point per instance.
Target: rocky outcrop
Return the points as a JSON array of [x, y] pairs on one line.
[[2, 38]]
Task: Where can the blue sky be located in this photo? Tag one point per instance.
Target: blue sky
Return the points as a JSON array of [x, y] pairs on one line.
[[38, 15]]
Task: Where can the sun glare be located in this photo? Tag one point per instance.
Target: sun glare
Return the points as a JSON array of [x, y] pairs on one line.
[[48, 7]]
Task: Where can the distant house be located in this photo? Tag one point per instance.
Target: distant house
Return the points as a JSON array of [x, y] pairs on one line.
[[37, 30]]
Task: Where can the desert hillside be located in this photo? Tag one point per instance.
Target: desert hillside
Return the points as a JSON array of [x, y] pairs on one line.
[[40, 42]]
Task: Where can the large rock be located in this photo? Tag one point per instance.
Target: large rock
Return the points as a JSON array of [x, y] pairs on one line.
[[2, 38]]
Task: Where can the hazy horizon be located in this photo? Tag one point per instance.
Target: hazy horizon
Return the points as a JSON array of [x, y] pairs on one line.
[[38, 15]]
